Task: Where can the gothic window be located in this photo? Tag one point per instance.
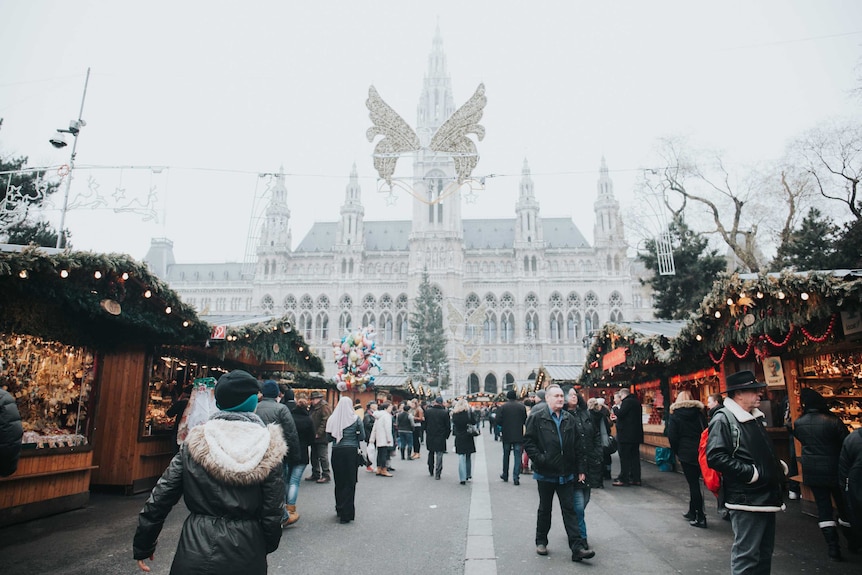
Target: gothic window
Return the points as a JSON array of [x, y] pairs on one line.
[[305, 302], [402, 325], [556, 326], [556, 300], [345, 302], [616, 299], [573, 300], [507, 327], [220, 304], [386, 301], [473, 383], [322, 326], [323, 302], [305, 325], [637, 301], [386, 268], [533, 264], [509, 268], [490, 328], [290, 318], [507, 301], [368, 301], [490, 383], [266, 303], [616, 316], [591, 300], [591, 322], [344, 322], [401, 302], [326, 270], [436, 294], [490, 301], [608, 264], [531, 325], [526, 264], [617, 264], [531, 301], [573, 326], [471, 303], [386, 325], [509, 381], [368, 320], [350, 266]]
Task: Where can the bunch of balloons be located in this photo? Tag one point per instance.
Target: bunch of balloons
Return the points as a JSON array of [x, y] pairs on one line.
[[355, 355]]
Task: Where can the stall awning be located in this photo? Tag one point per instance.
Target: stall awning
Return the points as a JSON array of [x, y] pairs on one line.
[[392, 381]]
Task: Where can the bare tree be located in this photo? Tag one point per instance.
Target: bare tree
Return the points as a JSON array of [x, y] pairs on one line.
[[832, 155]]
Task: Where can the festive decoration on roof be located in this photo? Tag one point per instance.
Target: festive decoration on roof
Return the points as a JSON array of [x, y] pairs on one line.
[[272, 341]]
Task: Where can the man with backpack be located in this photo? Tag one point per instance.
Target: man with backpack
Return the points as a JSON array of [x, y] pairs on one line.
[[740, 449]]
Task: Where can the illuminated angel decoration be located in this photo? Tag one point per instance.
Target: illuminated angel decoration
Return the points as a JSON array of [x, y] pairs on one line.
[[451, 138], [473, 322]]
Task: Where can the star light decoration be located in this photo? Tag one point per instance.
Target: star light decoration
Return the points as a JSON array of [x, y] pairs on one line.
[[450, 140]]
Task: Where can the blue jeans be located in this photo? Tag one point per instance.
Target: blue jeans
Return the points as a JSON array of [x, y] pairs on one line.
[[464, 466], [292, 479], [753, 542], [405, 443], [581, 499], [516, 469]]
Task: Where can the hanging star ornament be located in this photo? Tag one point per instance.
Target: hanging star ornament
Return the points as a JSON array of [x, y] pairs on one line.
[[391, 198], [471, 197]]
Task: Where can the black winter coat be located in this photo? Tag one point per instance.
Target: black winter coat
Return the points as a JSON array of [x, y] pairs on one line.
[[588, 440], [821, 435], [511, 417], [304, 429], [684, 427], [740, 453], [850, 471], [630, 426], [11, 433], [542, 444], [229, 471], [271, 411], [437, 427], [463, 441]]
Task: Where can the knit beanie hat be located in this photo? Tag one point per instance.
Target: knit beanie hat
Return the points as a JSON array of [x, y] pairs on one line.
[[270, 389], [511, 394], [234, 390], [438, 399]]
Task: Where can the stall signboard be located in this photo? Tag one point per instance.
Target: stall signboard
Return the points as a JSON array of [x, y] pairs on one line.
[[773, 372], [852, 322], [614, 358], [219, 332]]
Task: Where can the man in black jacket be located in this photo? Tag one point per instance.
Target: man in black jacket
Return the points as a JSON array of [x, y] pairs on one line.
[[438, 427], [511, 417], [11, 432], [550, 443], [630, 434], [271, 411], [740, 449]]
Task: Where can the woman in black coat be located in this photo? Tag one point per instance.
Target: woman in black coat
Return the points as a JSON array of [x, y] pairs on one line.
[[850, 478], [465, 446], [687, 421], [822, 434]]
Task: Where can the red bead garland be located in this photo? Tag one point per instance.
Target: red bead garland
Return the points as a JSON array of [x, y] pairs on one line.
[[823, 337]]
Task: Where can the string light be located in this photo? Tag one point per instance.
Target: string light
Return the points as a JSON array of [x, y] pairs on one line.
[[64, 274], [148, 294], [717, 314], [759, 295], [168, 309], [730, 301], [125, 276], [781, 295], [804, 296], [97, 274], [698, 337], [23, 274]]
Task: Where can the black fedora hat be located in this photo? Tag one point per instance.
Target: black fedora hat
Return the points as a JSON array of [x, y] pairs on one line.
[[743, 380]]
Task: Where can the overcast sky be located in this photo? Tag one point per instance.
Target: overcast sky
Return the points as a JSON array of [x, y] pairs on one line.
[[220, 92]]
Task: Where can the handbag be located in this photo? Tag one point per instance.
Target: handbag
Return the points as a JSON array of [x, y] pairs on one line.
[[611, 447], [473, 430], [361, 459]]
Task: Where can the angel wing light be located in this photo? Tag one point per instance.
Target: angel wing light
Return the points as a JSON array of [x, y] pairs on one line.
[[451, 138]]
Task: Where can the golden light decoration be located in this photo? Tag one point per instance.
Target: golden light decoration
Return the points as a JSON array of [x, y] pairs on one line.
[[698, 337]]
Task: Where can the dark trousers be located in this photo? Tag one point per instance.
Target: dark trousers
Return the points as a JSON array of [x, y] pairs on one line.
[[344, 472], [435, 462], [383, 452], [516, 470], [753, 542], [565, 495], [823, 497], [417, 438], [320, 460], [695, 496], [630, 462]]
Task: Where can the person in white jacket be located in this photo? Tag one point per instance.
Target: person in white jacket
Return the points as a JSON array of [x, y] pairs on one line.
[[381, 437]]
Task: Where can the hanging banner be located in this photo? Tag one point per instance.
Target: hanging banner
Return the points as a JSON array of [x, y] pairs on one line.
[[852, 322], [614, 358]]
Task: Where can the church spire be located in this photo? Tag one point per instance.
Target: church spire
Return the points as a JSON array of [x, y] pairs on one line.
[[528, 232], [526, 189], [436, 103], [274, 245], [350, 229], [608, 232]]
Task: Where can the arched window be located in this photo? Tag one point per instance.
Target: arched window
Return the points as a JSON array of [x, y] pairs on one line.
[[507, 301], [266, 303], [490, 328], [531, 325], [526, 264], [573, 326], [322, 326], [556, 300], [323, 302], [556, 326], [306, 302], [473, 383], [344, 322], [573, 300], [616, 316], [471, 303], [368, 319], [368, 301], [591, 322], [507, 327], [305, 325], [345, 302], [615, 299], [509, 382], [401, 302], [386, 324], [402, 325], [491, 383], [386, 301], [533, 264]]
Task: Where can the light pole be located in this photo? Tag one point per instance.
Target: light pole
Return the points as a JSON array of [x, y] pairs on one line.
[[59, 141]]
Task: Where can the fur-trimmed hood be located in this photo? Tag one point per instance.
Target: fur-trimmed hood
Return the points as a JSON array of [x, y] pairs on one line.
[[237, 448], [686, 403]]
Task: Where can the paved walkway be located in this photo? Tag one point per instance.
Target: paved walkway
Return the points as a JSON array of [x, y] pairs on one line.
[[412, 523]]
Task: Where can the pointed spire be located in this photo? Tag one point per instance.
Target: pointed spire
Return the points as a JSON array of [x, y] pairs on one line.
[[605, 185], [353, 193], [436, 103], [526, 188]]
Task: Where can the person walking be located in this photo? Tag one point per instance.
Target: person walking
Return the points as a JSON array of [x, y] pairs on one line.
[[418, 422], [381, 437], [319, 413], [588, 456], [345, 429], [438, 427], [229, 473], [602, 424], [739, 448], [368, 424], [822, 435], [630, 434], [511, 417], [269, 410], [298, 406], [11, 433], [465, 446], [549, 440], [404, 422], [684, 427]]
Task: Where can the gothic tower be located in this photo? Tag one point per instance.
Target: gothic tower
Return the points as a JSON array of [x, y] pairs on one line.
[[273, 248], [608, 231], [529, 242]]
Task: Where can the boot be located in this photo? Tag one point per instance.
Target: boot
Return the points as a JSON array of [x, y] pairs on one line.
[[382, 471], [291, 511], [691, 515], [831, 536], [699, 520], [853, 544]]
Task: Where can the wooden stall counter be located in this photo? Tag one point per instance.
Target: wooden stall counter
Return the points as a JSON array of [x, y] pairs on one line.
[[48, 481]]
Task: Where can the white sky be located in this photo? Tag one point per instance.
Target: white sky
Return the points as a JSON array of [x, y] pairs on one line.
[[221, 91]]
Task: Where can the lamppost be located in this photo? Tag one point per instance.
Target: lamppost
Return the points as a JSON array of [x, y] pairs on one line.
[[59, 141]]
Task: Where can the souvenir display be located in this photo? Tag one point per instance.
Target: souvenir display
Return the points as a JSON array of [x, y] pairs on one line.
[[837, 376], [355, 355]]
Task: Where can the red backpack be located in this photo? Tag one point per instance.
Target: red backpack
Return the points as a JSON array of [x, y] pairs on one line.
[[711, 477]]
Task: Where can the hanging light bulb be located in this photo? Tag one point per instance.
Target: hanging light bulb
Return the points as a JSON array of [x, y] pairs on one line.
[[804, 296], [717, 314], [730, 301], [759, 295], [148, 294], [698, 337], [64, 274], [168, 309], [781, 295], [23, 274], [125, 276], [97, 274]]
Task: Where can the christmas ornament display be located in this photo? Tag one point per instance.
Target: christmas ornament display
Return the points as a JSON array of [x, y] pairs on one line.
[[355, 355]]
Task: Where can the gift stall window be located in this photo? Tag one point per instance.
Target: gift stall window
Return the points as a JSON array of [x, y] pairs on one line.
[[52, 385]]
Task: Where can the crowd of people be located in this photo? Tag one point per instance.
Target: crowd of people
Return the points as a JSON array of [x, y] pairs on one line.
[[241, 471]]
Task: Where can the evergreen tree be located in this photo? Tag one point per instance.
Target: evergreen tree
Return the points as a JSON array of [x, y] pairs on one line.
[[811, 247], [39, 233], [696, 266], [426, 326], [848, 247]]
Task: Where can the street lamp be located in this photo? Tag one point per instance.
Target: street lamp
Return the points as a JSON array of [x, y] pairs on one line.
[[59, 141]]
